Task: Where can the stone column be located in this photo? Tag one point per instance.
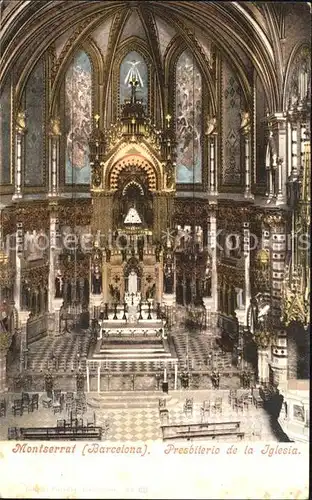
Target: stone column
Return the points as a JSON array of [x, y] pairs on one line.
[[278, 126], [88, 378], [294, 148], [54, 156], [175, 376], [246, 232], [211, 303], [99, 377], [19, 249], [19, 154], [263, 365], [280, 358], [23, 317], [277, 258], [52, 248], [3, 355], [211, 133], [246, 133]]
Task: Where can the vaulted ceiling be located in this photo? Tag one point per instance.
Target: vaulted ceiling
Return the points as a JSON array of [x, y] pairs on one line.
[[246, 32]]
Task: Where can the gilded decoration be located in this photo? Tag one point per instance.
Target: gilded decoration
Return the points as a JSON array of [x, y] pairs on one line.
[[55, 127], [21, 122]]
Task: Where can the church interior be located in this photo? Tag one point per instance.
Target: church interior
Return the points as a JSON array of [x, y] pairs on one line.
[[155, 219]]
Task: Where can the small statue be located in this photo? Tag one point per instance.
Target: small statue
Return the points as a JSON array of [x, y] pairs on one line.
[[157, 252], [245, 123], [108, 254], [168, 281], [59, 284], [21, 122], [169, 176], [55, 127], [96, 174], [97, 280], [211, 125]]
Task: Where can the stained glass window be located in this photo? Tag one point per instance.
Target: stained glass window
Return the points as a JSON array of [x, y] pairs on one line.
[[188, 120], [78, 114], [133, 66]]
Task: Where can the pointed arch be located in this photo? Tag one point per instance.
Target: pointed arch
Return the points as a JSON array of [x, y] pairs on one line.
[[301, 52]]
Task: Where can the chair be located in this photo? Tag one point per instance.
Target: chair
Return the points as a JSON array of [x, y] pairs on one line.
[[57, 395], [205, 410], [17, 407], [47, 403], [188, 406], [13, 433], [218, 405], [61, 423], [161, 403], [25, 400], [2, 408], [33, 403], [56, 405], [92, 423]]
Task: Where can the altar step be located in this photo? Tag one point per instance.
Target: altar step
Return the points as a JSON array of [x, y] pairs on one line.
[[131, 355], [126, 399], [123, 350]]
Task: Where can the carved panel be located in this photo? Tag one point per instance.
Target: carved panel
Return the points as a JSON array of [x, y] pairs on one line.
[[5, 133], [35, 119], [232, 106]]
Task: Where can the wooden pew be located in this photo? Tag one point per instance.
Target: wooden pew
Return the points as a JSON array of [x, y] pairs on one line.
[[55, 433], [210, 430]]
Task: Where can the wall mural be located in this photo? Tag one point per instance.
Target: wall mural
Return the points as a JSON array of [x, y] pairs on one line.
[[189, 120], [231, 112], [34, 138], [78, 116], [5, 132], [133, 65]]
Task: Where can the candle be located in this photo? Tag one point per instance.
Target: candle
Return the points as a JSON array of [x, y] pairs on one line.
[[165, 375]]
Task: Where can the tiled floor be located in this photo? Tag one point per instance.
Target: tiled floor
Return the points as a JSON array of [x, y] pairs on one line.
[[144, 423], [66, 347]]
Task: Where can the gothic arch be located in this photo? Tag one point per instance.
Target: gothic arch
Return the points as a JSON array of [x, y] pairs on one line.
[[133, 161], [174, 50], [297, 50], [97, 65]]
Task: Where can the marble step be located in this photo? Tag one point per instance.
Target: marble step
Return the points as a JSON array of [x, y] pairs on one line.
[[126, 399]]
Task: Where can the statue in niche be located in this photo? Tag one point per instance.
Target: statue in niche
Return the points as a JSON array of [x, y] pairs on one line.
[[115, 292], [97, 280], [133, 282], [59, 285], [207, 286], [55, 127], [108, 254], [170, 178], [21, 122], [140, 248], [157, 252], [96, 173], [245, 123], [169, 279], [211, 125], [150, 292]]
